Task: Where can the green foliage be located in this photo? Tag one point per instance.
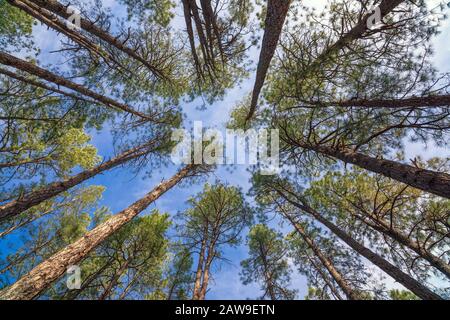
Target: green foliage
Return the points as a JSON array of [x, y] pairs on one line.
[[267, 263]]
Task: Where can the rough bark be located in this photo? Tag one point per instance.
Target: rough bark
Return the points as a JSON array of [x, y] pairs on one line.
[[406, 280], [30, 68], [61, 10], [201, 261], [43, 275], [355, 33], [276, 15], [434, 182], [33, 198]]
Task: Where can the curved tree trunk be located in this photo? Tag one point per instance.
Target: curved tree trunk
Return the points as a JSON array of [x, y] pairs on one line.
[[43, 275]]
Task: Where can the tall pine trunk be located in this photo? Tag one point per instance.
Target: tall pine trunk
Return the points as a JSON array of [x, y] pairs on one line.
[[327, 263], [30, 68], [43, 275], [434, 182], [276, 15], [394, 233], [44, 193], [61, 10], [406, 280]]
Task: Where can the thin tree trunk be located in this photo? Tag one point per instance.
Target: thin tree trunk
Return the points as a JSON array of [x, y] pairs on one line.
[[107, 292], [43, 275], [15, 207], [51, 21], [45, 87], [406, 280], [434, 182], [61, 10], [327, 263], [325, 278], [357, 32], [415, 102], [392, 232], [201, 261], [276, 15], [30, 68]]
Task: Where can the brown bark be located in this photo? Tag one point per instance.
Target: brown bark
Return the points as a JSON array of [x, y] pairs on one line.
[[61, 10], [355, 33], [38, 279], [406, 280], [15, 207], [276, 15], [434, 182], [327, 263], [30, 68]]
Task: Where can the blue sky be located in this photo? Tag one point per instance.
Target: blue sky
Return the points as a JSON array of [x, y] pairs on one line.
[[123, 187]]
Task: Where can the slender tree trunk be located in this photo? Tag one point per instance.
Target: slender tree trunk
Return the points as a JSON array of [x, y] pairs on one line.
[[30, 68], [45, 87], [415, 102], [326, 279], [276, 15], [434, 182], [190, 31], [44, 193], [327, 263], [267, 274], [357, 32], [43, 275], [53, 22], [201, 261], [107, 292], [205, 281], [394, 233], [61, 10], [406, 280]]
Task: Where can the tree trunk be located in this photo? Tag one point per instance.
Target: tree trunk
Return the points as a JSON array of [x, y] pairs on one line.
[[357, 32], [201, 261], [44, 193], [43, 275], [434, 182], [385, 228], [276, 15], [415, 102], [327, 263], [107, 292], [406, 280], [53, 22], [30, 68], [61, 10], [25, 66]]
